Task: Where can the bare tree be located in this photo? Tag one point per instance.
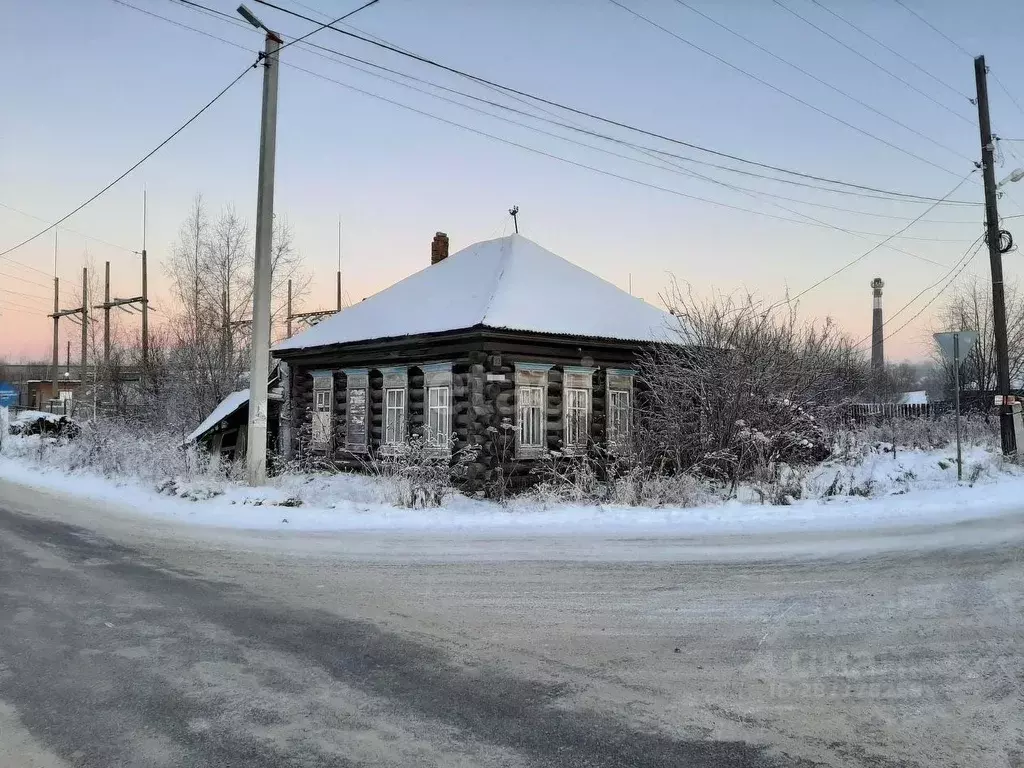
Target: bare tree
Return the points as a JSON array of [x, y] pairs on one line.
[[970, 308], [743, 387]]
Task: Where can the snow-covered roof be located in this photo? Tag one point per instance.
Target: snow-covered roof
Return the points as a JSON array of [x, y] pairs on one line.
[[509, 283], [225, 408], [919, 397]]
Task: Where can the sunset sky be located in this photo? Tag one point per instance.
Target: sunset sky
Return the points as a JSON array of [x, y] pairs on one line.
[[92, 85]]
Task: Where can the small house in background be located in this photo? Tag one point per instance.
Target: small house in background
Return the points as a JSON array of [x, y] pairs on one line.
[[223, 432], [503, 346], [913, 398]]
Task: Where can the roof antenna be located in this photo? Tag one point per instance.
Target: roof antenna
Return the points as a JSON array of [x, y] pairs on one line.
[[514, 213]]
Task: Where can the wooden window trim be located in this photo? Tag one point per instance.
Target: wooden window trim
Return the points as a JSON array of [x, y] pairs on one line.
[[619, 380], [323, 385], [577, 378], [531, 375], [396, 379], [357, 379]]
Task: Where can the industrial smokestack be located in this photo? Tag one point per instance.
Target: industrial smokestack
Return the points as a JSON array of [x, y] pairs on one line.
[[877, 351]]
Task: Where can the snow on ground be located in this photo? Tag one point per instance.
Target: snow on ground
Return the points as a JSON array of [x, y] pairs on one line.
[[917, 487]]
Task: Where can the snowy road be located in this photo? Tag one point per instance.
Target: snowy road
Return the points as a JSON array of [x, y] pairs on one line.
[[130, 641]]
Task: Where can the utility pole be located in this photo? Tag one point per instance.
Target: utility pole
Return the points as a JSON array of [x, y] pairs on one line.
[[106, 315], [259, 367], [56, 330], [85, 320], [145, 292], [288, 327], [995, 259], [514, 213], [339, 264]]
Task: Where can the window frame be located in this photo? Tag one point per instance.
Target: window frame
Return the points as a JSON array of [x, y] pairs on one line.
[[322, 414], [528, 378], [438, 377], [397, 427], [357, 380], [438, 431], [578, 379], [619, 381]]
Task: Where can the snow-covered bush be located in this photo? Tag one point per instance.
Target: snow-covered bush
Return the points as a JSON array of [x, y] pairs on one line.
[[116, 450], [744, 390], [416, 474], [5, 425]]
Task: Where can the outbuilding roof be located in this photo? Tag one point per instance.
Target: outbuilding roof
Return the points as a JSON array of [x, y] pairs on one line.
[[510, 283]]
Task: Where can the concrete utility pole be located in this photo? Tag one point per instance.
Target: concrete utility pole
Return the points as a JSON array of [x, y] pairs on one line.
[[995, 256], [145, 290], [259, 367], [56, 330], [288, 322]]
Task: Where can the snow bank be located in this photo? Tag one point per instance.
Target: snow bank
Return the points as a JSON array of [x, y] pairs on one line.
[[916, 487]]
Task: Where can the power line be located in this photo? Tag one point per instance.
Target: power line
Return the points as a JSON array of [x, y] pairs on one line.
[[777, 89], [967, 255], [592, 116], [148, 155], [67, 229], [24, 279], [871, 250], [810, 220], [872, 62], [936, 296], [1007, 92], [933, 28], [893, 51], [23, 295], [327, 24], [817, 79]]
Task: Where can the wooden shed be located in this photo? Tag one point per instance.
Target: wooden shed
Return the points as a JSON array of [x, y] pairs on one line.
[[504, 346]]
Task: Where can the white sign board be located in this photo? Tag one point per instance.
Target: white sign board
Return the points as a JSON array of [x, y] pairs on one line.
[[967, 341]]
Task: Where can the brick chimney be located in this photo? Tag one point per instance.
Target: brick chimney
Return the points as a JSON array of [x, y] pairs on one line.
[[439, 248]]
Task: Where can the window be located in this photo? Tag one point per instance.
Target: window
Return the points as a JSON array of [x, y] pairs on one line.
[[323, 396], [438, 416], [531, 409], [618, 417], [577, 388], [357, 383], [394, 416], [530, 417], [577, 418], [619, 387], [437, 379]]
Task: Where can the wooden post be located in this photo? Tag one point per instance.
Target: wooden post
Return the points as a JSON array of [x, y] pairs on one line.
[[56, 320], [145, 314], [106, 315], [339, 290], [85, 320], [288, 324], [67, 360]]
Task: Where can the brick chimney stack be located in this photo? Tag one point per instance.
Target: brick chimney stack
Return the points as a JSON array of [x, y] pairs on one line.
[[439, 248]]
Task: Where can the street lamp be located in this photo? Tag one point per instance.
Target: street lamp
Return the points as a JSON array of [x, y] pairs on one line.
[[259, 365], [1017, 175]]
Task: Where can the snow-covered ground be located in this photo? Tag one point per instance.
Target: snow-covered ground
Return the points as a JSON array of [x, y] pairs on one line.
[[871, 488]]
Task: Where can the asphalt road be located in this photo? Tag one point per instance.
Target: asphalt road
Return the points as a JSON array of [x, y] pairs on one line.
[[126, 641]]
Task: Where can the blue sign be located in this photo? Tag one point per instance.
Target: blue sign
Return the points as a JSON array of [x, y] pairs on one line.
[[8, 394]]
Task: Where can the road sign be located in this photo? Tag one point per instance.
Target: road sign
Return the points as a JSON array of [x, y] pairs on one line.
[[8, 394], [946, 341]]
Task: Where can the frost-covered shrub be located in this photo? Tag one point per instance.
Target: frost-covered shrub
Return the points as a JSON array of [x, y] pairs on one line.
[[418, 475], [116, 450]]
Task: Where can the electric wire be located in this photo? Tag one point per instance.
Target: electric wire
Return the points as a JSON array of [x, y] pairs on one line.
[[959, 262], [148, 155], [68, 229], [783, 91], [936, 296], [868, 252], [599, 118], [933, 28], [872, 62], [810, 220], [893, 51]]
